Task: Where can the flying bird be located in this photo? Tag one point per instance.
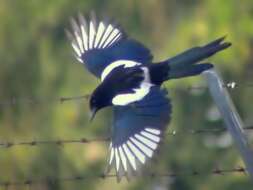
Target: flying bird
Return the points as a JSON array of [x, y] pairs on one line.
[[131, 84]]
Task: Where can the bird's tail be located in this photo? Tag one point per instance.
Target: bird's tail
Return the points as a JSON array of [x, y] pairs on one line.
[[185, 64]]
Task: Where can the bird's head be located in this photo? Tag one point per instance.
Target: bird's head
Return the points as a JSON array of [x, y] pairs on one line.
[[98, 100]]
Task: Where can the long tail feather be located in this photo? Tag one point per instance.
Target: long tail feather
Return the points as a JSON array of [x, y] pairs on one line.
[[191, 70], [185, 64], [197, 54]]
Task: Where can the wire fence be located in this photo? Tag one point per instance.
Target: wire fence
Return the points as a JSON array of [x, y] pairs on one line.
[[186, 173], [29, 182], [61, 142], [35, 100]]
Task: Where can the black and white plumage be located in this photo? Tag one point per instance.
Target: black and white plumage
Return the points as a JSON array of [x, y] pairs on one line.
[[91, 35], [137, 131], [130, 82]]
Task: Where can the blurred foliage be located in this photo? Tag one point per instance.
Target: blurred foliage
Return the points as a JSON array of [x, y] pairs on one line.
[[36, 61]]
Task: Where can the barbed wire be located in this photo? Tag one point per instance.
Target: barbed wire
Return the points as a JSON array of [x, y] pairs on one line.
[[35, 100], [52, 180], [61, 142], [32, 100], [204, 131]]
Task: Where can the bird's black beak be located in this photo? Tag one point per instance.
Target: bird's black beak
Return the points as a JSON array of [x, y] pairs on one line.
[[93, 113]]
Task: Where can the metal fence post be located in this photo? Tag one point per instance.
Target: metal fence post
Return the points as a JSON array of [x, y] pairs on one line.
[[231, 117]]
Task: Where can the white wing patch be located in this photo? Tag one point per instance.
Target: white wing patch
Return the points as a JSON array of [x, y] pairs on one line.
[[139, 93], [154, 131], [86, 36], [130, 156], [137, 149], [150, 136], [113, 65], [123, 158]]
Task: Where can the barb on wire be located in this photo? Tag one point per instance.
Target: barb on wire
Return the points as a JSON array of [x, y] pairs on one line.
[[46, 180], [9, 144], [204, 131], [31, 100]]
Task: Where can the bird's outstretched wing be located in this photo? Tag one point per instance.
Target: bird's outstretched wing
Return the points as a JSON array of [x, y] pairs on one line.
[[98, 43], [137, 132]]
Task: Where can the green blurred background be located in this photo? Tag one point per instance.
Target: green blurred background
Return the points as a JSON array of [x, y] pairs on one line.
[[36, 61]]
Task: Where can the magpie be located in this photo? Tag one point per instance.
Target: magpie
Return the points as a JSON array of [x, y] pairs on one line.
[[131, 84]]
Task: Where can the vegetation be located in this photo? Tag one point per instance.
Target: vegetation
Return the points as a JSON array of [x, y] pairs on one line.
[[36, 61]]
